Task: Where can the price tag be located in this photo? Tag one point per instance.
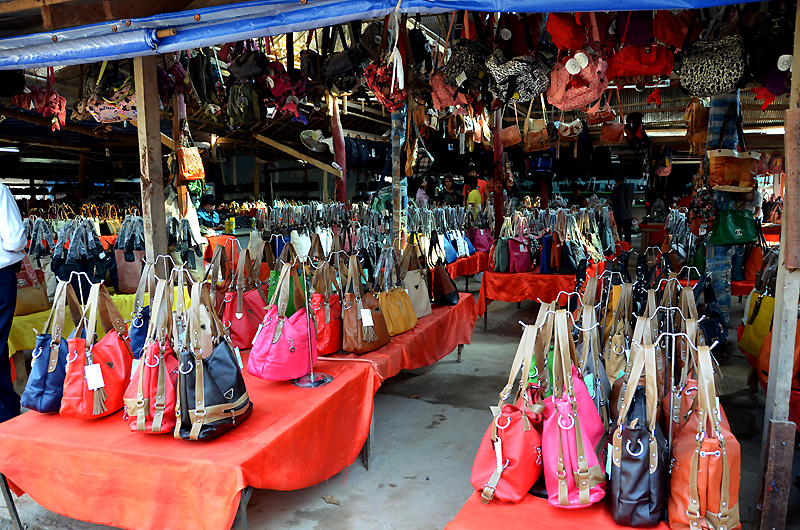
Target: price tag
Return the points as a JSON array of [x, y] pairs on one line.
[[94, 377], [609, 451], [406, 290], [461, 79], [522, 248], [102, 255], [589, 380], [134, 367], [366, 317], [238, 357], [498, 454]]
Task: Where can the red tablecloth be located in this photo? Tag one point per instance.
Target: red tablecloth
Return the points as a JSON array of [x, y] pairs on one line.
[[738, 288], [99, 471], [433, 338], [108, 241], [532, 512], [516, 287], [658, 231], [478, 262], [772, 233]]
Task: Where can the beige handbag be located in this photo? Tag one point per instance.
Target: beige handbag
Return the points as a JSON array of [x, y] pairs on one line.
[[414, 283]]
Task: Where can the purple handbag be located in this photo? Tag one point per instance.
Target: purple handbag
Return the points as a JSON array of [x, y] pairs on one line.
[[481, 239], [520, 249], [639, 32]]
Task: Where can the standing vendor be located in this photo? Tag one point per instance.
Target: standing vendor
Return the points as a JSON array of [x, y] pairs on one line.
[[12, 249], [621, 202]]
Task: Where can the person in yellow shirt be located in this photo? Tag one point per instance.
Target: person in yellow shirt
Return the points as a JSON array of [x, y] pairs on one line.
[[473, 194]]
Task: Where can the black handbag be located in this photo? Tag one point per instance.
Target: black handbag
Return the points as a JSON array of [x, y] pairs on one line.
[[569, 263], [466, 69], [85, 254], [224, 401], [343, 71], [714, 326]]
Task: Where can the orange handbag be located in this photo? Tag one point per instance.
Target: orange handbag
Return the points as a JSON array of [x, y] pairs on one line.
[[97, 373], [510, 136], [706, 462], [190, 164], [31, 290]]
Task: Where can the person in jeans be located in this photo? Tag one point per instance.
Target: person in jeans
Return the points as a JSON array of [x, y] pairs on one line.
[[12, 249], [621, 202]]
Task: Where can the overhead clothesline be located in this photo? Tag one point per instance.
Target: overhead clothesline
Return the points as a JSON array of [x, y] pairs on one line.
[[261, 18]]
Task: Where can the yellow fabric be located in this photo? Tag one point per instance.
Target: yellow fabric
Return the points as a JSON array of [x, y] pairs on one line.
[[23, 336], [474, 197], [754, 334]]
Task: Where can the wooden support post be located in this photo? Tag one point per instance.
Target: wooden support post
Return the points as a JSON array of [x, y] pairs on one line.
[[152, 174], [460, 351], [397, 199], [369, 444], [338, 151], [82, 171], [256, 178], [326, 195], [771, 505], [773, 500], [498, 170]]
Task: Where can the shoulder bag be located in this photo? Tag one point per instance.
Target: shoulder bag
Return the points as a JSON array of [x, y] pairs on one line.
[[363, 321], [393, 299], [326, 303], [244, 308], [415, 282]]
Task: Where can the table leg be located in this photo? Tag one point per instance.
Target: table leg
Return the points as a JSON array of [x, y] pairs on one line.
[[486, 317], [240, 523], [519, 305], [460, 350], [12, 508], [369, 444]]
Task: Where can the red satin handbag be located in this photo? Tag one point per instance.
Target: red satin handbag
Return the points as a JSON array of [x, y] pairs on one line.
[[150, 397], [327, 307], [244, 308], [509, 458], [566, 33], [631, 61], [97, 373]]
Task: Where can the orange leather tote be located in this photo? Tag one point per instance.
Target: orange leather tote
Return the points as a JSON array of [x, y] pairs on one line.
[[358, 336]]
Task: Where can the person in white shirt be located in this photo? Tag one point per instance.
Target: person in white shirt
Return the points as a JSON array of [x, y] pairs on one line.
[[13, 241]]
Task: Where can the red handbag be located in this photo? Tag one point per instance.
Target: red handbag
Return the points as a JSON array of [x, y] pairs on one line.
[[150, 397], [631, 61], [244, 308], [327, 306], [97, 373], [509, 458], [672, 30], [566, 33]]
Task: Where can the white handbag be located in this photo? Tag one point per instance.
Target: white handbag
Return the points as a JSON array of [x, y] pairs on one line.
[[301, 242]]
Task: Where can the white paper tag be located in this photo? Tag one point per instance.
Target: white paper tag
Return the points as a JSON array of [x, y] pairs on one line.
[[134, 367], [522, 248], [406, 290], [609, 451], [366, 318], [461, 79], [238, 357], [102, 255], [94, 376], [498, 452], [589, 380]]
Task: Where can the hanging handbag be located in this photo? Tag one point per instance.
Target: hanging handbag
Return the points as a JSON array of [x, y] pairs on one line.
[[415, 282], [150, 397], [510, 136], [519, 246], [633, 61], [502, 253], [140, 316], [211, 397], [573, 431], [281, 346], [706, 462], [190, 163], [363, 322], [244, 308], [129, 254], [326, 302], [535, 133], [640, 458], [565, 32], [591, 366], [715, 67], [31, 290], [618, 339], [393, 299], [445, 292], [569, 92], [466, 68], [521, 79], [287, 255], [734, 227], [97, 373], [45, 385], [509, 458]]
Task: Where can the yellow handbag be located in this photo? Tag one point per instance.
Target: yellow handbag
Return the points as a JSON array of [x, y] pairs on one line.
[[760, 311], [394, 302]]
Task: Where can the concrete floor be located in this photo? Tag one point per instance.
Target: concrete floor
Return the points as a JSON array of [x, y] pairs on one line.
[[428, 425]]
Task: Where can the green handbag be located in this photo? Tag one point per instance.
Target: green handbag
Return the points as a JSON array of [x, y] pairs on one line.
[[698, 260], [502, 255], [734, 227]]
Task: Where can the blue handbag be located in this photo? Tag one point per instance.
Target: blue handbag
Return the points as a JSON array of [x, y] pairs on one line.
[[450, 254], [470, 247], [45, 385], [547, 246], [140, 317]]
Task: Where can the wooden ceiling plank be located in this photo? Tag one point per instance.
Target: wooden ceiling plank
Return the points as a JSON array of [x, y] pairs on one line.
[[297, 154]]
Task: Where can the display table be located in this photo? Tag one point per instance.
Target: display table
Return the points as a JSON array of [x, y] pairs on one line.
[[433, 338], [738, 288], [99, 471], [516, 287], [772, 233], [469, 266], [652, 234], [475, 515]]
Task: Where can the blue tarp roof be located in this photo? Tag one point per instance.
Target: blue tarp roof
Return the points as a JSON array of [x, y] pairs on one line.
[[261, 18]]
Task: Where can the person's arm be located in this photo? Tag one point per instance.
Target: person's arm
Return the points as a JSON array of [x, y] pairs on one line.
[[12, 231]]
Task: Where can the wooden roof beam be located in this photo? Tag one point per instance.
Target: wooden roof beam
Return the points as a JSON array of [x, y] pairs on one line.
[[98, 132]]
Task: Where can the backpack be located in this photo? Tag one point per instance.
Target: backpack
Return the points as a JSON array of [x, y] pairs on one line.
[[634, 130]]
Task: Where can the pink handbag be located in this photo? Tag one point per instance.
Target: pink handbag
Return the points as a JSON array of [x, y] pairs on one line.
[[281, 347], [520, 249], [591, 83], [573, 433], [481, 239]]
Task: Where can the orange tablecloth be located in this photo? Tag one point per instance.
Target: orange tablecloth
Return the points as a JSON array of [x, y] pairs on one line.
[[108, 241], [532, 512], [478, 262], [516, 287], [433, 338], [738, 288], [99, 471]]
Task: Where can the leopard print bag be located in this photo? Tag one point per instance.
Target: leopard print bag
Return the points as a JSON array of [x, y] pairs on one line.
[[713, 67]]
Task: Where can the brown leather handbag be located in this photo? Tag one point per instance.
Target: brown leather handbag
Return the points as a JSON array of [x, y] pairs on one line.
[[129, 269], [31, 290], [359, 335], [615, 346], [535, 133], [706, 466], [510, 136]]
